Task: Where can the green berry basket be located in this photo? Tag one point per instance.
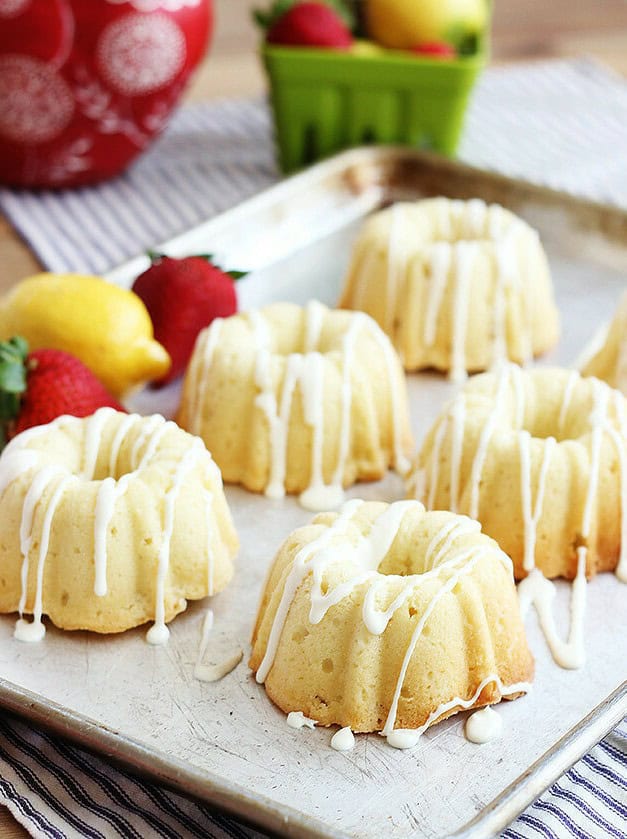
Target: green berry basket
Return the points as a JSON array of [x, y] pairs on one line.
[[327, 100]]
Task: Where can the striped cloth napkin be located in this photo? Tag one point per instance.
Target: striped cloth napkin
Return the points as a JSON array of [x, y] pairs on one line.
[[562, 124]]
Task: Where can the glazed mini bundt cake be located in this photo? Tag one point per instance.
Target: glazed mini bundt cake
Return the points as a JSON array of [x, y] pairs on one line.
[[298, 400], [457, 285], [388, 618], [108, 522], [609, 360], [539, 457]]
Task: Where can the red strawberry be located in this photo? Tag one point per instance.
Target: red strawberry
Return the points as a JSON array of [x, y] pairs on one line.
[[182, 297], [435, 49], [310, 24], [37, 387]]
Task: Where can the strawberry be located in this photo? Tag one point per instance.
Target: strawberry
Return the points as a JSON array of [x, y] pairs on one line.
[[183, 296], [37, 387], [435, 49], [300, 23]]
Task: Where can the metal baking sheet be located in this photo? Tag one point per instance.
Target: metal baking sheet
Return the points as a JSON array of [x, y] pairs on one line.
[[225, 742]]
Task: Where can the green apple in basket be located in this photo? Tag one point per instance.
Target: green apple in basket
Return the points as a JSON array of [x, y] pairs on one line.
[[406, 24]]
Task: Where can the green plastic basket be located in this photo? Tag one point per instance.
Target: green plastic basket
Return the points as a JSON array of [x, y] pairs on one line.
[[325, 101]]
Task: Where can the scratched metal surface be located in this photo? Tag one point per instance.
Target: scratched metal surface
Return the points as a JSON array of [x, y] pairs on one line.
[[226, 742]]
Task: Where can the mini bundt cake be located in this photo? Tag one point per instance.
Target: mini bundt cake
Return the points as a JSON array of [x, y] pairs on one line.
[[457, 285], [609, 359], [539, 457], [108, 522], [298, 400], [388, 618]]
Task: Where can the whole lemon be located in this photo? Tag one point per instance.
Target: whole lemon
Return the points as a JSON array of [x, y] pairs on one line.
[[403, 24], [106, 327]]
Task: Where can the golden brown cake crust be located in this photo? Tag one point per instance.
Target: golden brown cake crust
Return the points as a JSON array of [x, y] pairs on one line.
[[452, 611]]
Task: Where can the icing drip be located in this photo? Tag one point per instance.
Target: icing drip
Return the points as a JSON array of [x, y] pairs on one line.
[[93, 435], [440, 263], [572, 380], [306, 372], [458, 417], [396, 264], [111, 490], [312, 389], [465, 253], [199, 372], [159, 632], [406, 738], [483, 726], [484, 440], [343, 740], [35, 631], [41, 481], [213, 672], [296, 719], [536, 590], [531, 517]]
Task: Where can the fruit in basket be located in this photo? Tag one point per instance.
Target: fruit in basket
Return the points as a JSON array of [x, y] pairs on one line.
[[301, 23], [405, 24], [435, 49], [108, 328], [184, 296], [38, 387]]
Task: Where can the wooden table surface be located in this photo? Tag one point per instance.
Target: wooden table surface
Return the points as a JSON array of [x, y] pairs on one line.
[[523, 30]]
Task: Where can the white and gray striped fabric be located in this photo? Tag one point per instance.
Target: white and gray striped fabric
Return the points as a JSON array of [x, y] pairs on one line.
[[563, 124]]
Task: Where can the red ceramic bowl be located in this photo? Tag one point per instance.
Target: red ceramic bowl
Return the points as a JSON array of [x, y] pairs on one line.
[[85, 85]]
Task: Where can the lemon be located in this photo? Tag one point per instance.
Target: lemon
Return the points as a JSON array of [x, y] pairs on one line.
[[366, 48], [403, 24], [106, 327]]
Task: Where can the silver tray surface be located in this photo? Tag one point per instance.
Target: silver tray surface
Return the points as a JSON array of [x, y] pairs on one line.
[[225, 742]]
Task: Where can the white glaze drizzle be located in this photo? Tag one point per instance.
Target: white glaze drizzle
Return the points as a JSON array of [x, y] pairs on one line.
[[487, 431], [213, 672], [465, 253], [111, 490], [440, 263], [296, 719], [407, 738], [365, 551], [535, 589], [36, 631], [94, 426], [202, 360], [483, 726], [159, 632], [343, 740], [567, 396], [396, 265], [531, 516], [41, 481], [458, 418], [540, 592], [18, 459], [460, 228], [305, 372]]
